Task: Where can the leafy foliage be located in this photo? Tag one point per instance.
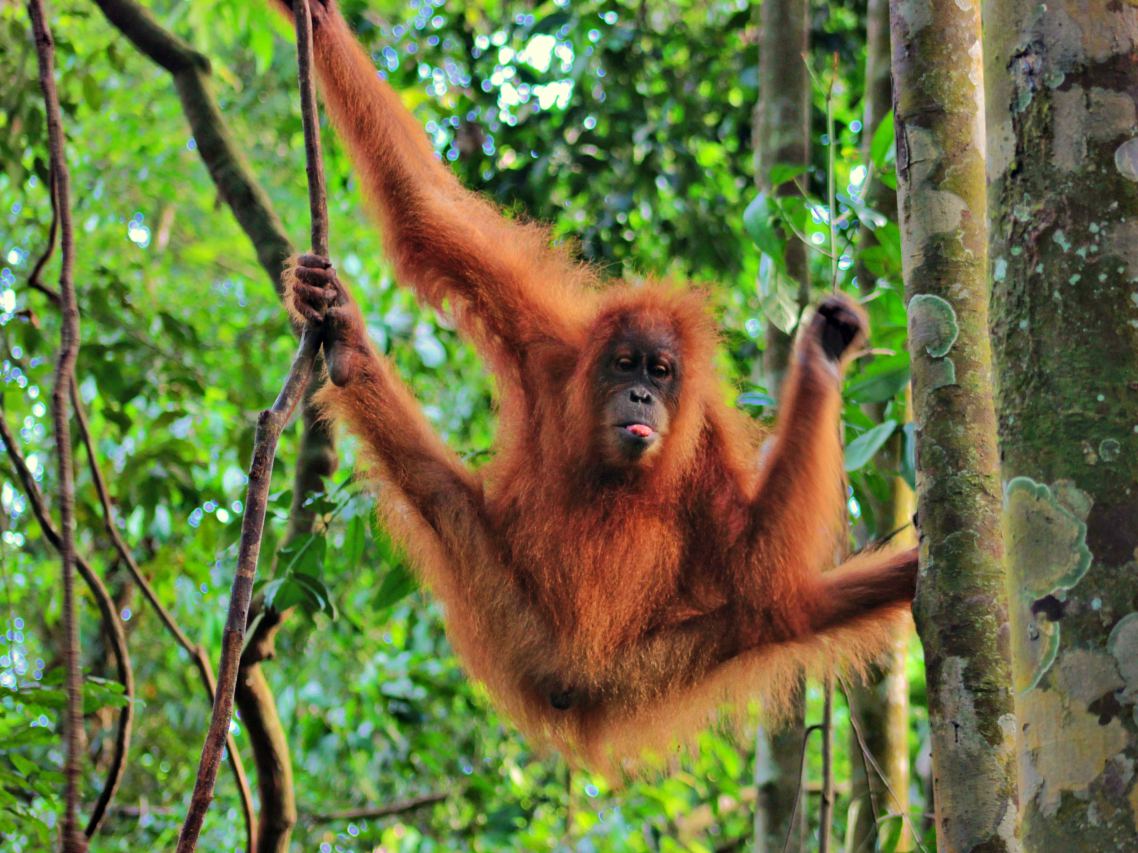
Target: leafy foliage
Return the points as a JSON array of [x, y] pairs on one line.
[[627, 126]]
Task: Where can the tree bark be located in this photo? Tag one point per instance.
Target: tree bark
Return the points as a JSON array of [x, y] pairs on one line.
[[960, 608], [782, 136], [1063, 169], [74, 841], [780, 807], [277, 816]]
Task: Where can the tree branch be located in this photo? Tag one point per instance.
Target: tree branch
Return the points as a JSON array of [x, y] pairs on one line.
[[222, 157], [112, 626], [269, 427], [806, 732], [310, 119], [73, 839], [270, 751], [867, 757], [196, 652], [317, 459], [34, 280], [826, 807], [376, 812]]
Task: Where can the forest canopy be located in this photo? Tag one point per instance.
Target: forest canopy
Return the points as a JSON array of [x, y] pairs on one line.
[[747, 149]]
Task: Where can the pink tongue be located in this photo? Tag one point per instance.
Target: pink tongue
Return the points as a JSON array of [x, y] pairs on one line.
[[641, 430]]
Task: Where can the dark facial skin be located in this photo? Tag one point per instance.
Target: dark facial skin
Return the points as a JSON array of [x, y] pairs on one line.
[[638, 378]]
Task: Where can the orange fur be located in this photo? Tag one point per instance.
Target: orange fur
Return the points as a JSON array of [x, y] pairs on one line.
[[653, 597]]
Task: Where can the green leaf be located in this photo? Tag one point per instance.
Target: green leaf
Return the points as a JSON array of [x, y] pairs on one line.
[[759, 223], [319, 592], [778, 295], [867, 216], [783, 172], [889, 830], [881, 381], [861, 449], [260, 43], [270, 590], [307, 555], [881, 147], [23, 766], [92, 93], [101, 693], [551, 23], [354, 541], [397, 585], [909, 455], [287, 593]]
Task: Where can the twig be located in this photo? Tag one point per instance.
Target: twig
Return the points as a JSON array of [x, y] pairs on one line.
[[809, 730], [830, 192], [826, 806], [867, 756], [216, 146], [314, 165], [73, 839], [34, 281], [269, 426], [376, 812], [196, 652], [112, 624]]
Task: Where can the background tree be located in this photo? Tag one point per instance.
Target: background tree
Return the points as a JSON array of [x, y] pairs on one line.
[[881, 704], [960, 607], [1063, 166], [781, 142]]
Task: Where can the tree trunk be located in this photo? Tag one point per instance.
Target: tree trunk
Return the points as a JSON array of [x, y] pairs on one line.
[[1063, 167], [878, 103], [881, 703], [780, 807], [960, 608], [277, 817], [782, 135]]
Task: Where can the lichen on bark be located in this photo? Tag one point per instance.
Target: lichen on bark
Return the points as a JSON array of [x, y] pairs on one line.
[[1062, 112]]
